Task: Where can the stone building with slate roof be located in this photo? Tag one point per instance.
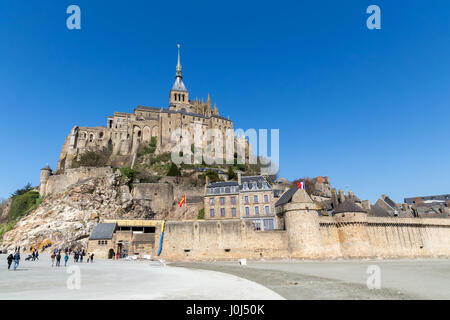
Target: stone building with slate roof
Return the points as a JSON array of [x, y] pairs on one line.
[[125, 237], [124, 132]]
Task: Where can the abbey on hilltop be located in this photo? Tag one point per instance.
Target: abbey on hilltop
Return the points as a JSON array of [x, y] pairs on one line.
[[124, 132]]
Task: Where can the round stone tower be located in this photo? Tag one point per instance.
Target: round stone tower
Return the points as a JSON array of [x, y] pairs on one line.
[[351, 221], [46, 172], [302, 226]]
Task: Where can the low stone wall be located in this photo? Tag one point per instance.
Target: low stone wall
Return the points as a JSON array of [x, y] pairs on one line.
[[60, 182], [384, 237], [221, 240], [348, 237], [409, 237]]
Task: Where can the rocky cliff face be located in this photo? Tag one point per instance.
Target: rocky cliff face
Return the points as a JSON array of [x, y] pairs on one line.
[[67, 218]]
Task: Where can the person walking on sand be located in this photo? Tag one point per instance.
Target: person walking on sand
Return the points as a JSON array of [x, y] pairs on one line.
[[37, 254], [66, 258], [16, 260], [82, 255], [58, 259], [53, 258], [92, 257], [10, 260]]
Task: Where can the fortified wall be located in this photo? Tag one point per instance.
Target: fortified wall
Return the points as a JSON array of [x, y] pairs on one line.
[[58, 183], [350, 233]]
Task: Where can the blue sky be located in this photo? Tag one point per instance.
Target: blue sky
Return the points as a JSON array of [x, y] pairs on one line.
[[369, 108]]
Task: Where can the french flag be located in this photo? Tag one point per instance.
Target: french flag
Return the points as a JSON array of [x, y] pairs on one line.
[[301, 185]]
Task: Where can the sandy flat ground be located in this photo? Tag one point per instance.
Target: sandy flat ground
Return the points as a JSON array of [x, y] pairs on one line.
[[289, 279], [344, 279], [123, 280]]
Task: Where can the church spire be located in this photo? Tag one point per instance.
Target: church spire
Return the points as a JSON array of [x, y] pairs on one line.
[[179, 73], [179, 85]]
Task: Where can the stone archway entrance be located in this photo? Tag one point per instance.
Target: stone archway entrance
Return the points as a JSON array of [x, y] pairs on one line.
[[110, 254]]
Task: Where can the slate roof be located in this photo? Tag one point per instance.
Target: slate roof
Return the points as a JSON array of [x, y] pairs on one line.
[[47, 167], [165, 110], [348, 206], [390, 202], [179, 85], [248, 180], [103, 231], [222, 184], [437, 198], [286, 197], [379, 211]]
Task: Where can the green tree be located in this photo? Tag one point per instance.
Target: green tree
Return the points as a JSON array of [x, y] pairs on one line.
[[129, 173], [23, 204], [174, 171], [201, 214], [22, 191], [231, 174]]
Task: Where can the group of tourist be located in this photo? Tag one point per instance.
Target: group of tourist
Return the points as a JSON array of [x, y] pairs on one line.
[[33, 256], [78, 256]]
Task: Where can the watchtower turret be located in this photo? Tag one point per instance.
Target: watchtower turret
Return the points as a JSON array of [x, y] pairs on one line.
[[46, 172]]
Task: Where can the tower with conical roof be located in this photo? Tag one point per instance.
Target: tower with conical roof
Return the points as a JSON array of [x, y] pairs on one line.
[[179, 95], [297, 211], [46, 172]]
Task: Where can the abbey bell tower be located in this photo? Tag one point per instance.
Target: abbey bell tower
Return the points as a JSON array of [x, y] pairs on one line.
[[179, 96]]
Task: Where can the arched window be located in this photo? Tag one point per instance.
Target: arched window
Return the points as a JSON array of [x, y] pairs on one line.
[[91, 137], [139, 132]]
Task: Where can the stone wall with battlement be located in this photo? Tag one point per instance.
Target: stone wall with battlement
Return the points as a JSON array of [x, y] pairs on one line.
[[307, 236], [59, 182]]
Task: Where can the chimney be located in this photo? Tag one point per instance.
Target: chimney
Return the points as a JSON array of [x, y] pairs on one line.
[[366, 204], [341, 196], [239, 178]]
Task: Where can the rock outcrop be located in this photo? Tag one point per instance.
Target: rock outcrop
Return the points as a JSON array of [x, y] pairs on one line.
[[67, 218]]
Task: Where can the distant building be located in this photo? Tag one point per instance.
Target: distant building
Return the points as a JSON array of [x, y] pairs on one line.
[[443, 198], [250, 198]]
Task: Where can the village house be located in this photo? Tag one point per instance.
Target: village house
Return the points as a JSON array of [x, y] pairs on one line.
[[250, 198]]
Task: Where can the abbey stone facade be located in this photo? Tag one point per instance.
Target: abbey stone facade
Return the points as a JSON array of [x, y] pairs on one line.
[[124, 132]]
